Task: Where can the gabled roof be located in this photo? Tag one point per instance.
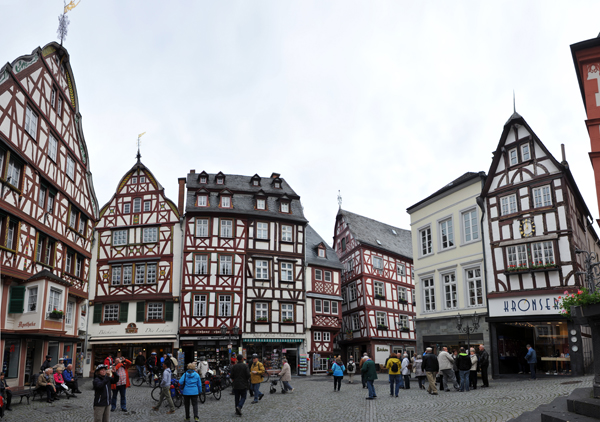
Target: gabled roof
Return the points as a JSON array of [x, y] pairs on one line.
[[583, 45], [368, 231], [313, 240]]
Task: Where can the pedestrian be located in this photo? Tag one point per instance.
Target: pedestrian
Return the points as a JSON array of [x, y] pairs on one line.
[[531, 358], [165, 386], [455, 366], [191, 387], [351, 369], [109, 361], [140, 362], [71, 379], [202, 367], [473, 370], [418, 368], [103, 378], [120, 387], [174, 363], [59, 382], [285, 376], [446, 361], [152, 363], [257, 371], [484, 361], [394, 367], [59, 366], [406, 371], [5, 391], [431, 367], [46, 364], [370, 373], [338, 373], [240, 374], [360, 364], [46, 381], [464, 367]]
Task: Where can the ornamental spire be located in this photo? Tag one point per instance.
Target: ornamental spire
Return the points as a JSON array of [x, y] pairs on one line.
[[138, 156]]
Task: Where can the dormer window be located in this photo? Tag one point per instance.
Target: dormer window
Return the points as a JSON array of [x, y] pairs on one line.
[[255, 180], [202, 201], [203, 178], [226, 202], [277, 185], [321, 252], [255, 183], [220, 178], [285, 207], [261, 204]]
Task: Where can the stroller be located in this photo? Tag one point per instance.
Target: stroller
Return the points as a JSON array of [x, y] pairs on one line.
[[273, 387]]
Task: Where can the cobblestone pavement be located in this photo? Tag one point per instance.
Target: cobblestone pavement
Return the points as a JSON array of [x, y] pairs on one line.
[[314, 400]]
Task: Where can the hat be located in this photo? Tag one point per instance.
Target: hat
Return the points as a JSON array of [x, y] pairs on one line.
[[101, 366], [59, 359], [48, 356], [153, 353], [254, 355]]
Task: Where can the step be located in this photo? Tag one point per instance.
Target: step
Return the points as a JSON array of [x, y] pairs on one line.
[[565, 416], [582, 403], [559, 403]]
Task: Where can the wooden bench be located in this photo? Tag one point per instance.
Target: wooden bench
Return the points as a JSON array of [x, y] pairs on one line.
[[20, 392]]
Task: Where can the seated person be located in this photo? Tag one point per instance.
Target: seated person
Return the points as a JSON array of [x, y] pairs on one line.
[[5, 390], [46, 381], [71, 379], [59, 381]]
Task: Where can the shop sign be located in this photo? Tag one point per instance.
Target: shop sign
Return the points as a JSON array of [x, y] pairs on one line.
[[382, 351], [26, 324], [547, 304], [131, 328]]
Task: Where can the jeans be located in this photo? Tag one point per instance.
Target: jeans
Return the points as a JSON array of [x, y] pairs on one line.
[[406, 382], [337, 382], [532, 370], [186, 402], [140, 371], [287, 386], [449, 375], [165, 394], [113, 402], [464, 380], [240, 397], [371, 388], [256, 390], [473, 380], [395, 379]]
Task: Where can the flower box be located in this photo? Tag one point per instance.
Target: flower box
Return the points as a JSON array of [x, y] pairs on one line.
[[380, 297], [405, 329], [55, 314], [288, 320], [402, 301], [382, 327], [261, 319]]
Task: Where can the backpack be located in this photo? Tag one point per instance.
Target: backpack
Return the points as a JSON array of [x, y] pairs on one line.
[[350, 366], [394, 367]]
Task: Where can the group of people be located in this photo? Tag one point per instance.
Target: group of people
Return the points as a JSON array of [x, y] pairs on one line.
[[56, 378]]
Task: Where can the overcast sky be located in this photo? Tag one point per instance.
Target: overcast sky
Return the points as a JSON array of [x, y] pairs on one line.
[[386, 101]]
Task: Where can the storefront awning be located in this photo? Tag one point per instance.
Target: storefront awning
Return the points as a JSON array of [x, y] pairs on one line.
[[129, 339], [273, 340]]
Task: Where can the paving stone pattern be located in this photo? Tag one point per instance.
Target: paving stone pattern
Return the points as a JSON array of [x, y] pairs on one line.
[[315, 400]]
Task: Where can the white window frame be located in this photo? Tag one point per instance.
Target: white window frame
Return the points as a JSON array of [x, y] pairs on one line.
[[119, 237], [226, 228], [446, 228], [326, 307], [262, 269], [542, 196], [542, 253], [52, 147], [127, 208], [142, 179], [202, 200], [513, 157], [400, 269], [403, 320], [32, 299], [318, 306], [402, 293], [261, 310], [352, 289], [378, 263], [287, 312], [202, 227], [523, 153], [516, 256], [225, 265], [425, 241], [155, 311], [69, 313], [137, 205], [262, 230], [200, 264], [31, 122], [140, 273], [110, 312], [287, 271], [317, 336], [508, 204], [428, 284], [115, 279], [55, 299], [474, 283], [334, 307], [224, 305], [286, 233], [355, 321], [147, 206], [261, 204], [327, 276], [200, 305], [151, 273], [379, 288], [450, 289], [321, 253], [70, 167], [225, 201], [381, 318], [127, 278], [470, 225], [285, 207], [318, 275], [326, 336], [150, 235]]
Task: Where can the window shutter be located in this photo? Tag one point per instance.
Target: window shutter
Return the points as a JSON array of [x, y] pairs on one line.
[[169, 311], [123, 309], [97, 313], [17, 300], [141, 309]]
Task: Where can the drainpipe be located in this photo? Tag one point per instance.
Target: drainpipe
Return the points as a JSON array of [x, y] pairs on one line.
[[481, 203]]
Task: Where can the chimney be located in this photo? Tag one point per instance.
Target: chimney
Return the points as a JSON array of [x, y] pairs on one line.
[[275, 175], [181, 201], [193, 171]]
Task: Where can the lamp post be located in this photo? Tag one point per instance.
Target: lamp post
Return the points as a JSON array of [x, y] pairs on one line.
[[468, 329]]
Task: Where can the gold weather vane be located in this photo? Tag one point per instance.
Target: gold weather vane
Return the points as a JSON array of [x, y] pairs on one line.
[[138, 156], [63, 20], [72, 5]]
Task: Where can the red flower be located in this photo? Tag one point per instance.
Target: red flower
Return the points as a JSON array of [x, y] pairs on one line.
[[579, 292]]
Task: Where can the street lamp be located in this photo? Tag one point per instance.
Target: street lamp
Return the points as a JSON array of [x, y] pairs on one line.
[[467, 329], [592, 272]]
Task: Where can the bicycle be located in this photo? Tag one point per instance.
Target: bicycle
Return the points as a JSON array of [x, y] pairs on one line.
[[148, 377], [176, 394], [214, 388]]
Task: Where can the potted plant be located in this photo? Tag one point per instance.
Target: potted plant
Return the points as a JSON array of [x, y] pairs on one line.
[[56, 314], [382, 327], [580, 305], [288, 320], [402, 301], [405, 329], [261, 319], [380, 297]]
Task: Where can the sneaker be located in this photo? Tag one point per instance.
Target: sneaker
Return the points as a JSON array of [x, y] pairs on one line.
[[170, 412], [186, 420], [196, 419], [253, 402], [112, 409], [291, 391], [238, 411], [155, 408]]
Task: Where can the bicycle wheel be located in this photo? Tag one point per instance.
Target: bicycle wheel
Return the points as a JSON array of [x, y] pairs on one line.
[[156, 393], [202, 397], [217, 393], [178, 400], [138, 381], [266, 377]]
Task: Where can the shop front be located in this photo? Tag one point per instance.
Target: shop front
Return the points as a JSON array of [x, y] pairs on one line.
[[271, 351], [217, 350]]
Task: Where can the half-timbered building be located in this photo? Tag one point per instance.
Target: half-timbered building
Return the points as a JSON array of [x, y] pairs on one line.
[[323, 299], [243, 268], [377, 287], [536, 220], [136, 273], [47, 212]]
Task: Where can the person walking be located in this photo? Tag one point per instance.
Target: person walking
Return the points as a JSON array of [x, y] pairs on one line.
[[202, 367], [191, 387], [406, 371], [473, 370], [257, 371], [531, 358], [351, 369], [418, 368], [165, 386], [455, 366], [240, 374], [446, 362], [484, 361], [103, 378], [394, 367], [464, 367], [120, 387], [338, 369], [285, 376], [5, 391], [140, 362], [360, 365], [174, 364], [370, 373], [431, 367], [46, 381]]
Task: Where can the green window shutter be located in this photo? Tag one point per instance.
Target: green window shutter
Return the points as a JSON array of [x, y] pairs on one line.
[[123, 309], [141, 310], [169, 311], [17, 300], [97, 313]]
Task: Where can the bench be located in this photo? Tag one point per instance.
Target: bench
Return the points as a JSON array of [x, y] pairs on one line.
[[20, 392]]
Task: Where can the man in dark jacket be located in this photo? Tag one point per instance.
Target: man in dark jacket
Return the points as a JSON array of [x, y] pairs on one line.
[[240, 376], [484, 361], [369, 372], [140, 362], [431, 367], [102, 382], [152, 363], [47, 363], [463, 362]]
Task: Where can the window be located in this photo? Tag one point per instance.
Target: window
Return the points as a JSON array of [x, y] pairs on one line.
[[450, 296], [343, 244], [142, 179], [53, 97], [203, 179], [287, 271], [508, 205], [317, 336], [127, 274], [262, 270], [137, 205], [134, 180], [517, 256], [261, 204], [226, 228], [319, 275], [32, 294], [334, 308], [379, 289], [50, 201], [151, 273], [225, 202], [155, 311], [425, 237], [15, 171], [525, 155], [225, 265], [82, 224], [326, 306], [287, 312], [126, 207], [400, 269], [202, 227], [255, 182], [261, 312], [116, 275], [327, 275], [59, 106], [403, 320], [543, 254], [447, 233], [111, 312], [72, 217], [513, 157], [277, 185], [202, 201], [471, 230], [326, 336], [285, 207], [224, 306], [475, 287], [31, 122], [381, 319], [542, 197], [55, 300], [69, 313], [352, 291], [199, 305], [321, 253], [70, 167], [377, 263], [220, 180], [52, 147], [318, 305], [402, 293], [150, 234], [10, 227], [286, 233], [262, 230], [119, 237], [147, 205], [140, 273], [355, 322], [429, 294], [201, 264], [45, 250], [349, 265]]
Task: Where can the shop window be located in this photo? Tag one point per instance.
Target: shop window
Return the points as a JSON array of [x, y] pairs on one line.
[[12, 352]]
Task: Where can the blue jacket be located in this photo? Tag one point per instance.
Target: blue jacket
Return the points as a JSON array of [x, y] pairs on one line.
[[531, 356], [193, 384], [338, 371], [68, 375]]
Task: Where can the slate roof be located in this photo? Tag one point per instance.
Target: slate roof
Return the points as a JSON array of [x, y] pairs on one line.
[[368, 231], [49, 275], [313, 240], [243, 199]]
